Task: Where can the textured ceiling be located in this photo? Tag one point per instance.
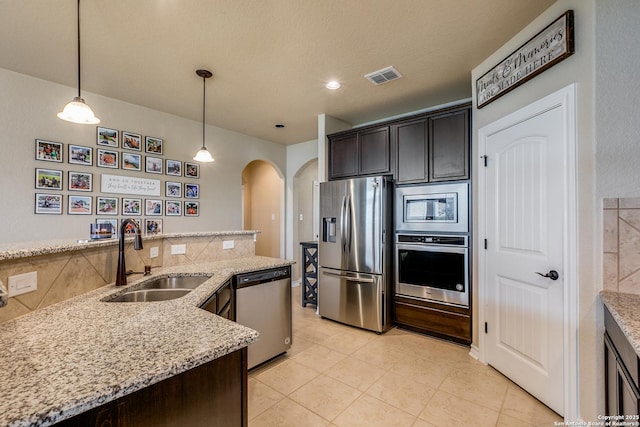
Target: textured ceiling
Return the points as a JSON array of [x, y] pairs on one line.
[[270, 58]]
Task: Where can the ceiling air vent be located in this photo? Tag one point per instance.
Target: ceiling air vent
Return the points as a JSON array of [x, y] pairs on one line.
[[382, 76]]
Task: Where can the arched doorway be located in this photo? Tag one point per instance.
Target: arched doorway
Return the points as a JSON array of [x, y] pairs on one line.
[[262, 206], [305, 221]]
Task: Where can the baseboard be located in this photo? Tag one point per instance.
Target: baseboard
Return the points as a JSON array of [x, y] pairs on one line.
[[475, 352]]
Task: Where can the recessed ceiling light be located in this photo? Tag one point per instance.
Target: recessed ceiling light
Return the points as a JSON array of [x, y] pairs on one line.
[[279, 125], [333, 85]]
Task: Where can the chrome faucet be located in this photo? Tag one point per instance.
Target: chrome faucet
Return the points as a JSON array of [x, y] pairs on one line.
[[121, 275]]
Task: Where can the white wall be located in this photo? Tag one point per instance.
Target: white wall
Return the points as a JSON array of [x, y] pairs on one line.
[[28, 108], [578, 68], [617, 93]]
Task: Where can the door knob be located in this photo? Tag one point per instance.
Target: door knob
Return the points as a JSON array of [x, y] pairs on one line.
[[552, 274]]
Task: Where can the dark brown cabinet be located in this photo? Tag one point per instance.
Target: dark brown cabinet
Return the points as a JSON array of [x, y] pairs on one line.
[[360, 153], [622, 372], [426, 147], [213, 394], [222, 302], [449, 146]]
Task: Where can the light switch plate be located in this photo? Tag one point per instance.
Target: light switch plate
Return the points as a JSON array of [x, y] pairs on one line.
[[23, 283], [178, 249], [228, 244], [153, 252]]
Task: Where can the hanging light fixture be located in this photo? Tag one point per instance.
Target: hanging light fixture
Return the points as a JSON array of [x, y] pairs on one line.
[[77, 111], [203, 155]]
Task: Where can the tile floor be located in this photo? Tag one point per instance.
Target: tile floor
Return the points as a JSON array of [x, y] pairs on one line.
[[336, 375]]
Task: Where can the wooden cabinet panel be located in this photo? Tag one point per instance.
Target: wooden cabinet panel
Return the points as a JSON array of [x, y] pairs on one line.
[[343, 156], [449, 146], [213, 394], [451, 324], [411, 140], [375, 151]]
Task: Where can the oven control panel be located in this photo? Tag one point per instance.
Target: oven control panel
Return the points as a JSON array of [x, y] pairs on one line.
[[432, 239]]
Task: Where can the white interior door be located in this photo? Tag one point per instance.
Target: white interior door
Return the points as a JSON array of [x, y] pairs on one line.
[[525, 194]]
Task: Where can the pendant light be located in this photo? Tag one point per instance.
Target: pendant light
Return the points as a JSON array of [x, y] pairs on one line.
[[77, 111], [203, 155]]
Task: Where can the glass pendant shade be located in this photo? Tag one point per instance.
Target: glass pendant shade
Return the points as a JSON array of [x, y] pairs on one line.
[[203, 156], [77, 111]]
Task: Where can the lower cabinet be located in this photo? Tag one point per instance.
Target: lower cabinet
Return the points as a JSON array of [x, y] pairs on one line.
[[622, 396], [222, 302], [448, 322], [211, 395]]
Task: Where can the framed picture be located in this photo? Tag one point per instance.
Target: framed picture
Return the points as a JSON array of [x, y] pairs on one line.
[[106, 205], [153, 145], [131, 161], [191, 170], [152, 227], [154, 164], [131, 141], [174, 167], [79, 155], [48, 179], [107, 158], [49, 151], [48, 203], [108, 137], [192, 191], [173, 189], [191, 208], [173, 208], [80, 181], [79, 205], [153, 207], [129, 229], [131, 206], [112, 222]]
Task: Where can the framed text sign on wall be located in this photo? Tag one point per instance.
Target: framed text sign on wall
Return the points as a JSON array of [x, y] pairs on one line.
[[544, 50], [129, 185]]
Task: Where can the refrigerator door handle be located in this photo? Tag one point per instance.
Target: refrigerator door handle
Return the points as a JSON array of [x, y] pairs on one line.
[[349, 278], [347, 223], [343, 216]]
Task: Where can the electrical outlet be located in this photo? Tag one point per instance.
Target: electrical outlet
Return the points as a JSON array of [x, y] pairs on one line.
[[228, 244], [178, 249], [23, 283], [301, 217], [273, 217], [153, 252]]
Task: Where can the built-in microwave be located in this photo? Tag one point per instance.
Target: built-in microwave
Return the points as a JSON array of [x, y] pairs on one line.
[[433, 208]]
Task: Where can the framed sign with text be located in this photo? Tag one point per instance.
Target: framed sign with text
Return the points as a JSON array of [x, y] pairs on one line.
[[129, 185], [550, 46]]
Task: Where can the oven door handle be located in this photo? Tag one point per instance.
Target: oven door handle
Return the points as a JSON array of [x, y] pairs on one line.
[[348, 278]]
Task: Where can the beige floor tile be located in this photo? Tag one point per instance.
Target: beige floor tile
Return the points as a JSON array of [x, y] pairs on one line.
[[507, 421], [287, 376], [371, 412], [318, 357], [325, 396], [261, 397], [298, 345], [483, 388], [401, 392], [288, 413], [347, 342], [445, 409], [430, 372], [356, 373], [422, 423], [381, 354], [521, 405]]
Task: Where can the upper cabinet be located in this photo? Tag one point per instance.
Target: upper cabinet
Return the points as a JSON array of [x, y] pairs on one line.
[[360, 153], [427, 147]]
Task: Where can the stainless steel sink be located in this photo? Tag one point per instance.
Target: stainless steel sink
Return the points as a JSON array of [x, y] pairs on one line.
[[160, 289], [174, 282], [148, 295]]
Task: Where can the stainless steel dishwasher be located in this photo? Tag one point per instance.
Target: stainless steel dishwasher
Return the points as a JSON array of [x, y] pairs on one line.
[[263, 303]]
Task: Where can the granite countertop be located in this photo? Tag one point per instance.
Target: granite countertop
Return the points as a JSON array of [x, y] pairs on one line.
[[4, 295], [29, 249], [624, 309], [78, 354]]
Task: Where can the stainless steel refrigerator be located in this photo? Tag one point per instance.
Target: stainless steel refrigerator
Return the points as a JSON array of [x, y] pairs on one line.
[[355, 252]]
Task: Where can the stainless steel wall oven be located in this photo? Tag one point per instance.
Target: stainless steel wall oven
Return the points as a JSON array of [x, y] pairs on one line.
[[433, 267]]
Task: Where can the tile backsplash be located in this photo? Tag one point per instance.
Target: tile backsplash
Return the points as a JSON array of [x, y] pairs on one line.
[[621, 245]]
